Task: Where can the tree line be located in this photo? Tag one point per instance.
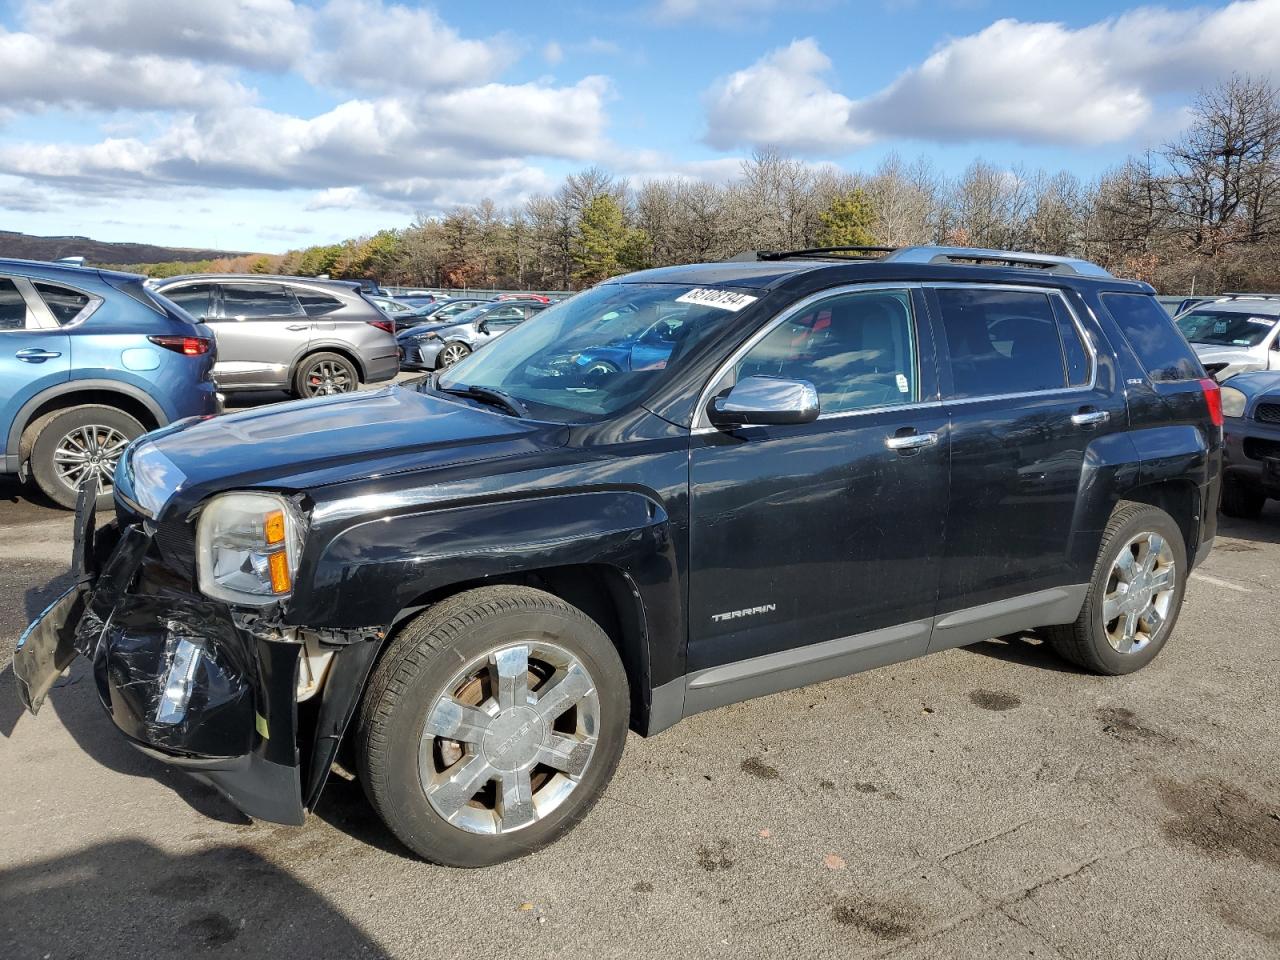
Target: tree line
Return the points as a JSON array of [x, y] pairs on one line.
[[1201, 212]]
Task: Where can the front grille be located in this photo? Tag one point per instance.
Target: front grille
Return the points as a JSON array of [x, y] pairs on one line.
[[1267, 412], [1257, 448]]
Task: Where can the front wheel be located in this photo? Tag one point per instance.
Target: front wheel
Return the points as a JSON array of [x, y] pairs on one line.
[[1135, 595], [1242, 499], [450, 354], [492, 725]]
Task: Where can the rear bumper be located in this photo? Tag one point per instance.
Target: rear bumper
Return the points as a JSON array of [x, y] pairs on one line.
[[381, 369]]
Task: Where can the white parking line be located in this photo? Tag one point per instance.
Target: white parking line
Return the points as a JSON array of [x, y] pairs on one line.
[[1220, 583]]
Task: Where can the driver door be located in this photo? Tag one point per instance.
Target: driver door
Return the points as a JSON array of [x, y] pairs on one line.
[[816, 547]]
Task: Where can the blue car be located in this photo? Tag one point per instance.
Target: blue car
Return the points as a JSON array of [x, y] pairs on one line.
[[645, 345], [89, 360]]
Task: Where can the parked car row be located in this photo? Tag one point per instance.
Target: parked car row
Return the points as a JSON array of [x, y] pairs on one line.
[[90, 359]]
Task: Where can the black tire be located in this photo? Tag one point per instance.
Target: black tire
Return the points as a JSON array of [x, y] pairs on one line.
[[325, 374], [1085, 641], [77, 428], [420, 664], [451, 353], [1242, 499]]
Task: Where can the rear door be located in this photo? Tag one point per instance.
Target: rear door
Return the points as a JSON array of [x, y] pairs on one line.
[[262, 331], [34, 354], [1021, 384]]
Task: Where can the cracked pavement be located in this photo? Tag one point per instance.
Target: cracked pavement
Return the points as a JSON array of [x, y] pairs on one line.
[[985, 802]]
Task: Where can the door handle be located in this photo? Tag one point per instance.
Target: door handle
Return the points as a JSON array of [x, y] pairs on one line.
[[1090, 418], [36, 355], [912, 441], [298, 326]]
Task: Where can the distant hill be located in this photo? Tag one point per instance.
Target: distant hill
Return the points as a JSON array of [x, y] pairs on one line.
[[26, 247]]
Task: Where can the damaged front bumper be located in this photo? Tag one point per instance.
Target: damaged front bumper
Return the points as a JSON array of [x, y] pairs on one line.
[[187, 684]]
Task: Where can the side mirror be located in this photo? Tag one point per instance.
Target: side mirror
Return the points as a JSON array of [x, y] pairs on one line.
[[481, 325], [764, 401]]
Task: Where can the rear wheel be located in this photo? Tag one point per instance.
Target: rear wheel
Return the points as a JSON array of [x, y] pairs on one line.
[[325, 374], [450, 354], [491, 725], [1241, 499], [76, 444], [1134, 597]]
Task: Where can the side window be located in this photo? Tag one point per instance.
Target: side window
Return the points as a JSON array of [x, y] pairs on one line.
[[257, 301], [857, 349], [1159, 344], [1001, 341], [193, 298], [506, 314], [65, 304], [315, 303], [13, 309], [1073, 349]]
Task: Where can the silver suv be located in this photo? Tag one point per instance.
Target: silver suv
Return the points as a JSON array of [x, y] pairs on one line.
[[312, 337], [1237, 333]]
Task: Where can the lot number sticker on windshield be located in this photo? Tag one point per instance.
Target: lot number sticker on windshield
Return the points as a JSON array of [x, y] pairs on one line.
[[722, 299]]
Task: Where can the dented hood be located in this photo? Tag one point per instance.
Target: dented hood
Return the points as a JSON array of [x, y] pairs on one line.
[[311, 443]]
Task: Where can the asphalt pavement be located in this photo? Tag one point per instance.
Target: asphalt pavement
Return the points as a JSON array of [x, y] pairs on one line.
[[984, 802]]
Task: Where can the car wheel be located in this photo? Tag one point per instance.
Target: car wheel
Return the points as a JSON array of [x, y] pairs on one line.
[[325, 374], [450, 354], [1133, 599], [1241, 499], [491, 725], [75, 444]]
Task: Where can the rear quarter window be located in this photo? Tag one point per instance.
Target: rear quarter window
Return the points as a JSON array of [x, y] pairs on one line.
[[64, 303], [1154, 337]]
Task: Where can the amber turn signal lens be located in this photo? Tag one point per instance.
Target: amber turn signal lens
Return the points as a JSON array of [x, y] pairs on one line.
[[279, 564], [273, 527]]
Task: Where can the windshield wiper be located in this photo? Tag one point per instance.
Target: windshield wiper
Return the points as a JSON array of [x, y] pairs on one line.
[[487, 395]]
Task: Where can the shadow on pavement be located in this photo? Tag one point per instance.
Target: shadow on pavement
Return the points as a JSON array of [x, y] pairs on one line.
[[1266, 529], [131, 899], [344, 807], [1028, 651]]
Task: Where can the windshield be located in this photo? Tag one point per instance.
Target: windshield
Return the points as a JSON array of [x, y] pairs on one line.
[[594, 354], [1223, 328]]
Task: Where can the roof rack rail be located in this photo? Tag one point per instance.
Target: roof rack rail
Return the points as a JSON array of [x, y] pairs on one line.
[[1239, 295], [860, 253], [1008, 258]]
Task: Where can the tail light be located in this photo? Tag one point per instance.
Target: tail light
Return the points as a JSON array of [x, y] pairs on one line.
[[187, 346], [387, 325], [1213, 397]]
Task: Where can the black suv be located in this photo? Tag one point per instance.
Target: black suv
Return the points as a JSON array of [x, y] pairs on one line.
[[467, 588]]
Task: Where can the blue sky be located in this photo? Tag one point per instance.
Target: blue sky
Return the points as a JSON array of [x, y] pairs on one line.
[[271, 124]]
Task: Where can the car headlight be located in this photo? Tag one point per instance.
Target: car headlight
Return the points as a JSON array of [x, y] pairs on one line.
[[1233, 402], [247, 548]]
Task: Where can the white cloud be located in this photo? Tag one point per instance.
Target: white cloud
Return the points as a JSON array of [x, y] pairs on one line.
[[1015, 80], [782, 100], [37, 73], [390, 147], [261, 34], [337, 198], [553, 53], [722, 12], [369, 45]]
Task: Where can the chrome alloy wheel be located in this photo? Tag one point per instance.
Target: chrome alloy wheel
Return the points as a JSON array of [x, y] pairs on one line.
[[451, 354], [1139, 592], [510, 738], [88, 451], [327, 377]]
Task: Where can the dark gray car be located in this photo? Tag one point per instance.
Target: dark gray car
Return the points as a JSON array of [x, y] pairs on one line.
[[436, 347], [311, 337]]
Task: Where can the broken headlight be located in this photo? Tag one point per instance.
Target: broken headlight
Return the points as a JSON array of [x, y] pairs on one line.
[[247, 548]]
